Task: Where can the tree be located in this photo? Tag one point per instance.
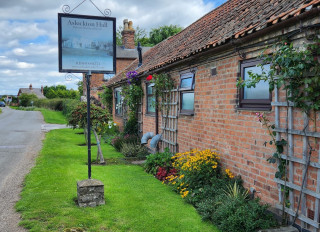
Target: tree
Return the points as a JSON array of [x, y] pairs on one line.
[[80, 87], [107, 98], [157, 35], [140, 35], [25, 99], [59, 91], [99, 123]]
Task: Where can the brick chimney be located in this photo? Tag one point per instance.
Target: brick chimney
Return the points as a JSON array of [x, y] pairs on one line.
[[30, 86], [42, 89], [128, 35]]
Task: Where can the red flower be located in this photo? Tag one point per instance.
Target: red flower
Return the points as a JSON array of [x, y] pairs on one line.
[[149, 78]]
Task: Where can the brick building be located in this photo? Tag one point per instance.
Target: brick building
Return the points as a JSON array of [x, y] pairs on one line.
[[125, 55], [208, 110], [37, 91]]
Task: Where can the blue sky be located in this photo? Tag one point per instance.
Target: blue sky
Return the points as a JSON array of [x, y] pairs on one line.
[[29, 34]]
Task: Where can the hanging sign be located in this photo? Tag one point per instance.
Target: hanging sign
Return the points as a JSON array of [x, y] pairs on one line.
[[87, 43]]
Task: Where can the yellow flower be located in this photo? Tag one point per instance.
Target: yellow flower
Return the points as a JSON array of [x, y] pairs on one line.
[[184, 194], [229, 173]]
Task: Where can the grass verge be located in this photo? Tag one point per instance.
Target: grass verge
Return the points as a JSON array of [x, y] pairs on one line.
[[135, 200], [50, 116]]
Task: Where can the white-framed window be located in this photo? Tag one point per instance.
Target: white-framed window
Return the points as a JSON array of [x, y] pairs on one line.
[[186, 88], [118, 101]]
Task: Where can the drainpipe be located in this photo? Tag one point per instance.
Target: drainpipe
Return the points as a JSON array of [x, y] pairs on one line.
[[139, 54], [155, 140], [146, 137], [157, 123]]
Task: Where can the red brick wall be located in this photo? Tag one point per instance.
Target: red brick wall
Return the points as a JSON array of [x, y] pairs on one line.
[[237, 135], [128, 39], [123, 63], [217, 124], [149, 121]]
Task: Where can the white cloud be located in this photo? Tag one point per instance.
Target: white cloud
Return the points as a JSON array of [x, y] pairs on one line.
[[13, 31], [24, 65], [8, 72], [19, 52], [6, 62]]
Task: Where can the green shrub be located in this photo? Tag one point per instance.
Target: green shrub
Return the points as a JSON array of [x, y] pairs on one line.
[[204, 198], [130, 138], [52, 104], [211, 190], [117, 142], [160, 159], [25, 99], [107, 98], [241, 215], [109, 138], [68, 105], [131, 127], [134, 150], [205, 208]]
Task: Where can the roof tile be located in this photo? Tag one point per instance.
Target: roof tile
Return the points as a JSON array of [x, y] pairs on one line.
[[233, 19]]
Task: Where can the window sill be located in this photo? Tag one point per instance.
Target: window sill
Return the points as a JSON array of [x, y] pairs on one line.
[[186, 114], [253, 109], [150, 114]]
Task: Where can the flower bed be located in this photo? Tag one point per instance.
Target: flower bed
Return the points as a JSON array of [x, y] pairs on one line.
[[217, 195]]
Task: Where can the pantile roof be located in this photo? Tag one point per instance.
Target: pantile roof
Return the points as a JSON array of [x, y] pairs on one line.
[[232, 20]]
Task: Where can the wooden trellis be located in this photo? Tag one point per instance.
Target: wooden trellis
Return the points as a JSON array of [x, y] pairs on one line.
[[140, 120], [309, 218], [169, 122]]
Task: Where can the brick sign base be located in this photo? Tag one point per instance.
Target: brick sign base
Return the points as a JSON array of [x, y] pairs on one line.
[[90, 193]]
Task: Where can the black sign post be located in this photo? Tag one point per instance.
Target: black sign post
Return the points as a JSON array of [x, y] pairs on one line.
[[88, 77], [87, 44]]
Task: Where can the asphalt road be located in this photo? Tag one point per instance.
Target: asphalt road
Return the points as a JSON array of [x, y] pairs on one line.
[[20, 142]]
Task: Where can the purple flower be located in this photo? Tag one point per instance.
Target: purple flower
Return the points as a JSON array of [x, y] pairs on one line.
[[132, 76]]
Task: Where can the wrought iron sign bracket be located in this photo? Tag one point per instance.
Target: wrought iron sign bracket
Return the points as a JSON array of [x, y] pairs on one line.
[[67, 10]]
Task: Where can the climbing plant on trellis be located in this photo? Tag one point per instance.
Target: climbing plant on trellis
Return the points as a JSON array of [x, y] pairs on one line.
[[294, 77]]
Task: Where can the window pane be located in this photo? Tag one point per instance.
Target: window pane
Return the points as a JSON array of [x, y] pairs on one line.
[[187, 101], [186, 83], [150, 89], [151, 104], [118, 103], [261, 91]]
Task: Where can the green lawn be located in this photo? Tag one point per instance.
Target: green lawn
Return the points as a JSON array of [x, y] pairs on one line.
[[50, 116], [135, 200]]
